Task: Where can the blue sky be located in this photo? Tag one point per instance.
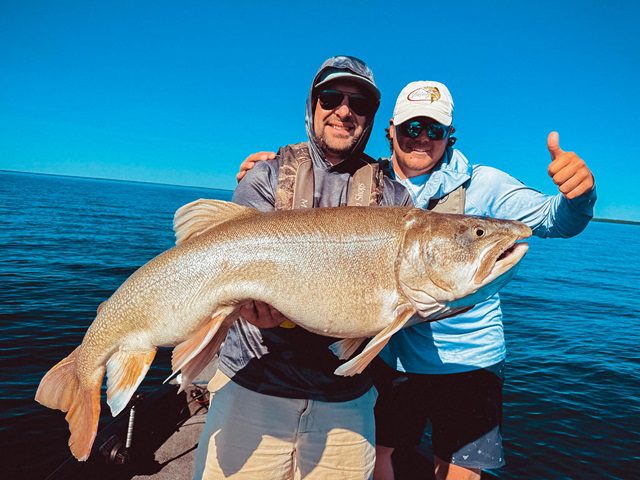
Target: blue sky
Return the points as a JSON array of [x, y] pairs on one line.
[[180, 92]]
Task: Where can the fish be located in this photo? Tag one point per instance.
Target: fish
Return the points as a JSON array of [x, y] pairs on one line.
[[352, 273]]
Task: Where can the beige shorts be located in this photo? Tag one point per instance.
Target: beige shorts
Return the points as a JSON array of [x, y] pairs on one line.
[[249, 435]]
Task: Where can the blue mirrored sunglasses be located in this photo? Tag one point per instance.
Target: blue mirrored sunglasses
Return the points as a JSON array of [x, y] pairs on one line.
[[435, 131]]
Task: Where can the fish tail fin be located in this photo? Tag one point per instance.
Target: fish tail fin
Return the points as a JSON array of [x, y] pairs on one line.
[[194, 354], [345, 348], [125, 371], [61, 389]]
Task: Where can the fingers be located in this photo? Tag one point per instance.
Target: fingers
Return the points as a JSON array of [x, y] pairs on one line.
[[571, 174], [261, 315], [244, 168], [276, 315], [248, 312], [553, 144], [581, 188], [564, 166], [573, 178], [568, 171], [250, 162], [263, 310]]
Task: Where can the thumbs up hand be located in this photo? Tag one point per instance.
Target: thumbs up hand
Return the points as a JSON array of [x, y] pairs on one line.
[[568, 171]]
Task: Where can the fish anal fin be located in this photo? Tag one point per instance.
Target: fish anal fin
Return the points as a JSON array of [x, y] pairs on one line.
[[61, 389], [358, 363], [192, 355], [125, 371], [202, 215], [346, 347]]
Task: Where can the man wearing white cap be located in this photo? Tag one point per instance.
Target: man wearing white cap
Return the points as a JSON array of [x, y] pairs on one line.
[[450, 373]]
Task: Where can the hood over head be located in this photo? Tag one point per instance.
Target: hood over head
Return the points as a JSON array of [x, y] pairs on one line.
[[345, 68]]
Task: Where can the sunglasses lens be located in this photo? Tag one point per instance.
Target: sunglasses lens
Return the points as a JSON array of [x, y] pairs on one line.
[[330, 99], [360, 104], [434, 131], [412, 129]]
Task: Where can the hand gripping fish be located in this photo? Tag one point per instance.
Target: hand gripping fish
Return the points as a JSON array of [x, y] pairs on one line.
[[350, 273]]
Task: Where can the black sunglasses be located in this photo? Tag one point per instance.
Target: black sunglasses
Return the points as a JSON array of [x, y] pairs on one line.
[[360, 104], [435, 131]]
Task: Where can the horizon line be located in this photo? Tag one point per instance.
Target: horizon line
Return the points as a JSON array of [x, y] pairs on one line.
[[113, 179], [594, 219]]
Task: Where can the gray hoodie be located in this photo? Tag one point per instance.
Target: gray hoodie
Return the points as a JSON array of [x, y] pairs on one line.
[[348, 68], [291, 362]]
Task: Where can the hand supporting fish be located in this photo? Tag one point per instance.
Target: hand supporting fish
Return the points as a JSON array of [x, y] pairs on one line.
[[369, 270], [262, 315]]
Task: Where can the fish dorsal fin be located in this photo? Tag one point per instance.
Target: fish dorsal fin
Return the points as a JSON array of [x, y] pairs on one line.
[[200, 216]]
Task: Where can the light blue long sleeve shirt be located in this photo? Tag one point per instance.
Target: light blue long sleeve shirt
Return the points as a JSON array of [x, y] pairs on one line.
[[475, 339]]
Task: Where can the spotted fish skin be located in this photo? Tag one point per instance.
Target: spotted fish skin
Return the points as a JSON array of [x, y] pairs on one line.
[[348, 272]]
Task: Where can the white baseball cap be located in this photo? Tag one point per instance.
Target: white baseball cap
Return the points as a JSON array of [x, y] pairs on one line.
[[424, 99]]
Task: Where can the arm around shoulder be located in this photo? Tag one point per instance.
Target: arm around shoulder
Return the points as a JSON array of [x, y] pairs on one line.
[[258, 186]]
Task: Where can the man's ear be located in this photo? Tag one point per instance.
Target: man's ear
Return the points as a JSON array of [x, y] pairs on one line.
[[392, 130]]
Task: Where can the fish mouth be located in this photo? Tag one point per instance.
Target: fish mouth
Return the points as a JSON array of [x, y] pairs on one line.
[[506, 255]]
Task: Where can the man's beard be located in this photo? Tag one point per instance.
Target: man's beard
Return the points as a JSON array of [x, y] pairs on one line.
[[343, 150]]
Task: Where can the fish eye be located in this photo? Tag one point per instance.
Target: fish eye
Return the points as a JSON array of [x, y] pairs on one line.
[[479, 232]]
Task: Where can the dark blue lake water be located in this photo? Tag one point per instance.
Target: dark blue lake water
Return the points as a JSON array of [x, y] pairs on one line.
[[572, 320]]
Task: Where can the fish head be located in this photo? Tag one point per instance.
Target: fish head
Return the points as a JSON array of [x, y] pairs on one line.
[[452, 262]]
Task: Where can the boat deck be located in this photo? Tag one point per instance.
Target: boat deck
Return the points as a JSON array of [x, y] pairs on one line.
[[176, 456], [165, 438]]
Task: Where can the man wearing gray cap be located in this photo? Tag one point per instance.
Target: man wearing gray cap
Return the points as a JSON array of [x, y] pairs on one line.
[[284, 414], [450, 373]]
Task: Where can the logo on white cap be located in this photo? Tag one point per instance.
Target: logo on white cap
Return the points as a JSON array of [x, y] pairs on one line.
[[425, 94]]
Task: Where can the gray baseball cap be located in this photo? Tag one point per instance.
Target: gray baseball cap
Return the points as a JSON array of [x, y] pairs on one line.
[[348, 68]]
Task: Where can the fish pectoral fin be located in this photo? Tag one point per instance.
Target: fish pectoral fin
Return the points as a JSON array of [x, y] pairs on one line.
[[194, 354], [202, 215], [358, 363], [345, 348], [125, 371], [450, 312], [61, 389]]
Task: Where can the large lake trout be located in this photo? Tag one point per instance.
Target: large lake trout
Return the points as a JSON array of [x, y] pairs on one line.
[[350, 273]]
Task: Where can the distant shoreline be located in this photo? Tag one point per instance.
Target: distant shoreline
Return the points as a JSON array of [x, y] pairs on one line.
[[114, 180], [613, 220], [601, 220]]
